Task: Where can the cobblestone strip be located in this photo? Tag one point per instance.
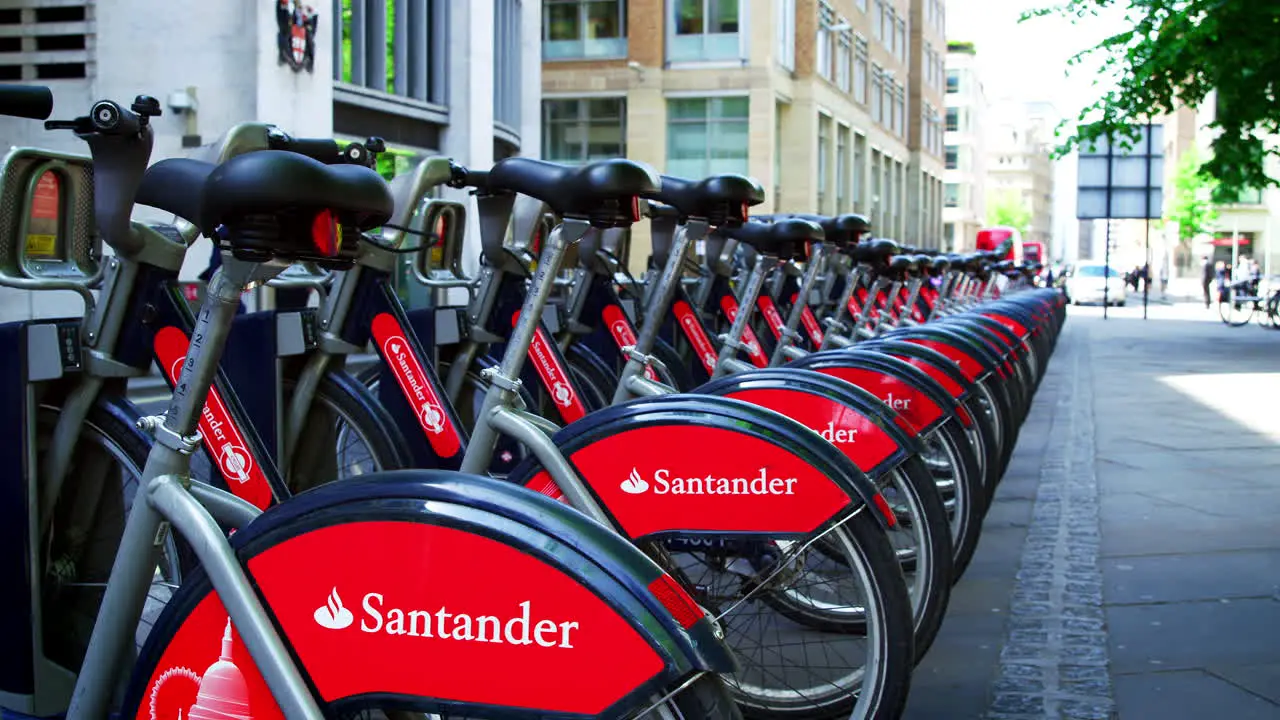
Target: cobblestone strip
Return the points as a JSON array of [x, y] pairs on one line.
[[1054, 662]]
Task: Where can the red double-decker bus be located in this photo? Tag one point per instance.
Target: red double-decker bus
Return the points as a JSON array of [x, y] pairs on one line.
[[1004, 240], [1033, 251]]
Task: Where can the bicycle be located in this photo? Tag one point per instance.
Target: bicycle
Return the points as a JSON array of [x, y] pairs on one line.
[[1239, 301], [257, 595]]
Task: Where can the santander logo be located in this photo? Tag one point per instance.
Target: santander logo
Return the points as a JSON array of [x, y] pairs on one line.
[[833, 434], [664, 482], [634, 484], [395, 348], [562, 394], [234, 461], [333, 615], [518, 627]]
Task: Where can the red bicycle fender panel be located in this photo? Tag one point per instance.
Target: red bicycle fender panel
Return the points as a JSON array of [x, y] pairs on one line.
[[623, 334], [857, 436], [666, 479], [809, 321], [771, 316], [1013, 326], [915, 409], [971, 368], [404, 597], [697, 335], [730, 307], [951, 386], [415, 385], [224, 440], [206, 646], [553, 375]]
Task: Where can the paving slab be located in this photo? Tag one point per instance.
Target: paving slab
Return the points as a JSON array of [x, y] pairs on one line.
[[1187, 694]]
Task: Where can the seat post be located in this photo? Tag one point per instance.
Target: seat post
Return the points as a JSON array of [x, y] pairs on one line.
[[505, 382], [817, 257]]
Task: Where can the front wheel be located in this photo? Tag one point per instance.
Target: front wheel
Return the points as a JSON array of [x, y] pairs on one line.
[[1234, 309]]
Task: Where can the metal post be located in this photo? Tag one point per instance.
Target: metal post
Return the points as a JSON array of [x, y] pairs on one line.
[[1106, 262], [1146, 201]]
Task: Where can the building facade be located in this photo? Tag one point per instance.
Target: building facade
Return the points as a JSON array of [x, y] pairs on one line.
[[965, 152], [1248, 226], [1019, 167], [814, 98], [431, 77]]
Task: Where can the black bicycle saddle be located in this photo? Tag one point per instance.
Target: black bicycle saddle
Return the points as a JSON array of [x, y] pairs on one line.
[[720, 199], [606, 193]]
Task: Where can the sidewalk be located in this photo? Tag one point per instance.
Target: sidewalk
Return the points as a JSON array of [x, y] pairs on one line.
[[1130, 565]]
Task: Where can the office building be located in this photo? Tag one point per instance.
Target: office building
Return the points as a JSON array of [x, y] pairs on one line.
[[1019, 164], [429, 76], [965, 153], [833, 105]]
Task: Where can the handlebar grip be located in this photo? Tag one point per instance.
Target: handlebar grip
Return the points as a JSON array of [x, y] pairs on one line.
[[324, 150], [26, 101]]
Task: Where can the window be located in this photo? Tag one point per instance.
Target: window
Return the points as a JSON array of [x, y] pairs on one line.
[[824, 164], [886, 32], [877, 207], [706, 136], [900, 114], [878, 21], [953, 81], [901, 45], [877, 81], [862, 5], [786, 27], [843, 52], [953, 119], [842, 169], [826, 19], [576, 29], [703, 30], [859, 171], [860, 70], [953, 157], [952, 195], [949, 232], [583, 130], [928, 64], [369, 56], [779, 108]]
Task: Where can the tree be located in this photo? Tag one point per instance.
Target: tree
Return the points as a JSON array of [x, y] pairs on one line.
[[1175, 53], [1192, 203], [1006, 208]]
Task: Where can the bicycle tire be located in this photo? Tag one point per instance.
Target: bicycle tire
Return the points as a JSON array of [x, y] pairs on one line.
[[888, 695], [133, 447], [367, 420], [930, 601], [963, 461]]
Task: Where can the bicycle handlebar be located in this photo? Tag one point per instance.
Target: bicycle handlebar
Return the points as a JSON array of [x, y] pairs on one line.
[[26, 101]]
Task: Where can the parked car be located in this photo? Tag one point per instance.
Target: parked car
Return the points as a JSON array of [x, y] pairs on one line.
[[1089, 280]]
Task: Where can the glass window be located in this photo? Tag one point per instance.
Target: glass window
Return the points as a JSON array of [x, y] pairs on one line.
[[824, 165], [575, 29], [842, 169], [777, 154], [878, 20], [862, 5], [860, 70], [886, 32], [704, 30], [859, 170], [584, 130], [786, 27], [953, 157], [953, 119], [953, 81], [902, 40], [952, 195], [877, 80], [706, 136], [826, 18], [843, 54]]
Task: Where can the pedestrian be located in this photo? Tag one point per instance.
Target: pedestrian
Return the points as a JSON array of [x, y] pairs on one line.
[[1209, 273], [1164, 279]]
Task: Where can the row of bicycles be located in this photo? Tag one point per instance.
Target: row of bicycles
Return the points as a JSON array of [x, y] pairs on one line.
[[741, 485], [1243, 300]]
